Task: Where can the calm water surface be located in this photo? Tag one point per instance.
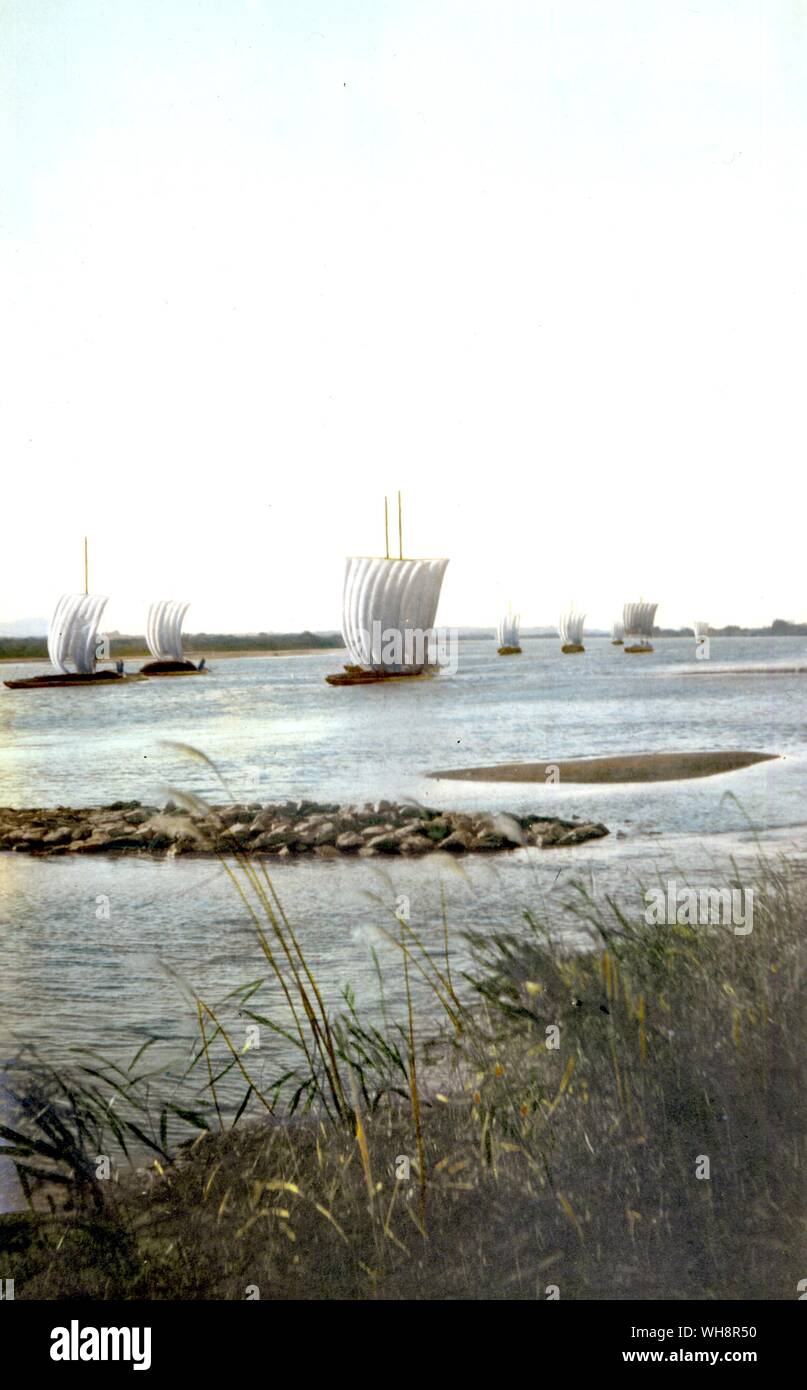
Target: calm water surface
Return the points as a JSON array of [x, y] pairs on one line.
[[71, 978]]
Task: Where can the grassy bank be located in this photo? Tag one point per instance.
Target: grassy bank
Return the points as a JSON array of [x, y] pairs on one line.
[[658, 1150]]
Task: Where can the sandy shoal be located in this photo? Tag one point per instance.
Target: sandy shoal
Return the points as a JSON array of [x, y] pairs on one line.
[[630, 767]]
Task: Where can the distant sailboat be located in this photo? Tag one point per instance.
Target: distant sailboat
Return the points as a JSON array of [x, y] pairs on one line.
[[638, 619], [617, 634], [73, 640], [571, 632], [388, 611], [701, 630], [509, 644], [164, 639]]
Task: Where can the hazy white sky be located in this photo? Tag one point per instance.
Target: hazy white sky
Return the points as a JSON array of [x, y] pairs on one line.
[[540, 265]]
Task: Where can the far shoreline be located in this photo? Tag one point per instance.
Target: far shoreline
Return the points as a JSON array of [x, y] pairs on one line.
[[217, 655]]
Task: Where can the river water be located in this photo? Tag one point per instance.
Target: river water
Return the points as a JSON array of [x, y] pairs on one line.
[[106, 954]]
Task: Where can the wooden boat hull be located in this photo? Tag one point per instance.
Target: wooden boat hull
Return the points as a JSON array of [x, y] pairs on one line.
[[171, 668], [509, 651], [70, 679], [637, 651], [569, 648], [357, 676], [617, 642]]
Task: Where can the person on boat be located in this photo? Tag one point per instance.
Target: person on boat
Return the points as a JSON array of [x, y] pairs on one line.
[[119, 667], [201, 665]]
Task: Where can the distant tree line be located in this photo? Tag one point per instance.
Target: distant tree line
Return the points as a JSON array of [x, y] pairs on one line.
[[778, 628], [121, 645]]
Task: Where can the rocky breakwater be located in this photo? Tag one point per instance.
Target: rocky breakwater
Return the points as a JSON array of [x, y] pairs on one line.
[[295, 828]]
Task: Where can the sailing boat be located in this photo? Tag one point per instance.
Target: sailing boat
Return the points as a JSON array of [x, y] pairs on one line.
[[164, 639], [617, 634], [638, 619], [509, 644], [570, 628], [701, 631], [73, 640], [388, 611]]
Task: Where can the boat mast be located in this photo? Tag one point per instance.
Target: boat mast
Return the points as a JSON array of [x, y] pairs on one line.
[[86, 579], [400, 528], [386, 527]]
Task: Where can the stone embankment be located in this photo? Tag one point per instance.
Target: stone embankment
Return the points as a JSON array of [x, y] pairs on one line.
[[295, 828]]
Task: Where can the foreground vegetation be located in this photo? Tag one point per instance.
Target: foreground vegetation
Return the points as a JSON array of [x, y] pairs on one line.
[[657, 1151]]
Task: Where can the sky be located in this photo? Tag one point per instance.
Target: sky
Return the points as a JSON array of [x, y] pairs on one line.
[[541, 266]]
